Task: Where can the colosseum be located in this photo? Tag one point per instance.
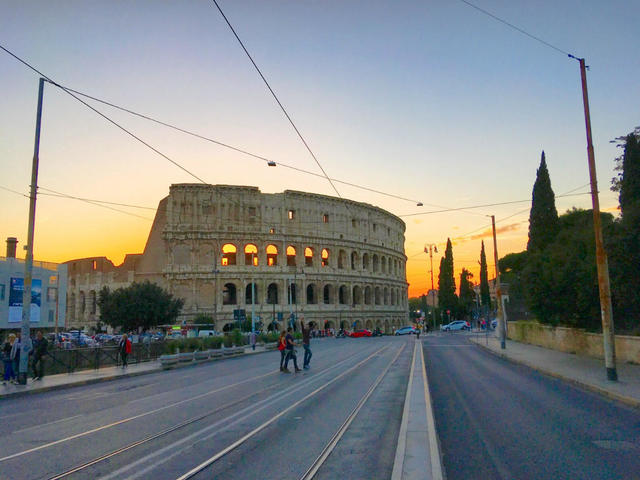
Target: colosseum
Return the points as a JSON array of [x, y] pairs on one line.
[[226, 248]]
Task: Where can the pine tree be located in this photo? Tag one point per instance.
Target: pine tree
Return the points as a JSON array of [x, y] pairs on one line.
[[467, 295], [447, 299], [543, 218], [485, 296]]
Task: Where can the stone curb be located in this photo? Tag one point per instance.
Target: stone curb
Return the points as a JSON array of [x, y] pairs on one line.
[[629, 401], [108, 378]]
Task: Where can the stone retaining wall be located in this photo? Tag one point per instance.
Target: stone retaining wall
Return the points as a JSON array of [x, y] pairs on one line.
[[573, 340]]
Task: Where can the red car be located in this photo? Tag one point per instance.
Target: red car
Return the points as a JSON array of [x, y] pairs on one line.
[[361, 333]]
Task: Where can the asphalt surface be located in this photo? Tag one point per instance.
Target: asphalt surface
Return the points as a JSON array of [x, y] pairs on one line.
[[259, 422], [499, 420]]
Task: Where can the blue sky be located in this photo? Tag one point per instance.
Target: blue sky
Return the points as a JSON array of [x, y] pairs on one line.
[[431, 100]]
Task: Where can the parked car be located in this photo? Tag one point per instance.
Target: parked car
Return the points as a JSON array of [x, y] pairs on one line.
[[455, 325], [361, 333], [406, 331]]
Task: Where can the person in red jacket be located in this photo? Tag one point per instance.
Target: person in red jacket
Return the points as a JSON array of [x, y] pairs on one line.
[[282, 345], [125, 349]]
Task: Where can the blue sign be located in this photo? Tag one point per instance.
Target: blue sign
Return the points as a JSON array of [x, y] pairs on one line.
[[16, 290]]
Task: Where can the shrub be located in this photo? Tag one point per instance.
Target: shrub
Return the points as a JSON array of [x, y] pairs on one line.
[[211, 342]]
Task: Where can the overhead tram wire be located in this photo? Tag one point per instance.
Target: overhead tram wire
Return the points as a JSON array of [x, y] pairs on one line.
[[518, 29], [238, 149], [276, 98], [106, 202], [113, 122]]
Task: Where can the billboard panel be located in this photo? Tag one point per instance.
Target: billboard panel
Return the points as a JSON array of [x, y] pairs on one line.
[[16, 289]]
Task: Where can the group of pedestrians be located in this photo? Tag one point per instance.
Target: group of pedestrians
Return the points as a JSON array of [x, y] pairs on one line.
[[11, 349], [286, 345]]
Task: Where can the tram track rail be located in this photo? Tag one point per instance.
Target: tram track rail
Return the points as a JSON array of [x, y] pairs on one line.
[[130, 446], [335, 438]]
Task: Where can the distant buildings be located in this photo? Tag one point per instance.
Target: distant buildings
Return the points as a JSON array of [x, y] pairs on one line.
[[48, 292], [336, 261]]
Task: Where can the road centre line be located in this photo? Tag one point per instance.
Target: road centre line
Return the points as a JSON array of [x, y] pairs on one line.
[[258, 429], [170, 451]]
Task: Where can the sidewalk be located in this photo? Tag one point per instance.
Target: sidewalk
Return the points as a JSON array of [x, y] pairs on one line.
[[85, 377], [586, 372]]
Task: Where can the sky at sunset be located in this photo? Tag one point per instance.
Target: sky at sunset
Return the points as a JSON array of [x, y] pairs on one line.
[[429, 100]]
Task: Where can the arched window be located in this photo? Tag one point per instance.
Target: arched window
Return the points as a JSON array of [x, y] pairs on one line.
[[343, 295], [251, 255], [291, 256], [365, 261], [229, 251], [378, 295], [325, 257], [327, 294], [308, 257], [386, 296], [342, 258], [272, 255], [250, 293], [383, 265], [272, 294], [354, 261], [375, 263], [367, 295], [357, 295], [229, 294], [311, 294]]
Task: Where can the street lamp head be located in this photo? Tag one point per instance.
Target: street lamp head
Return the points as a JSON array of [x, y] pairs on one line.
[[271, 163], [419, 204]]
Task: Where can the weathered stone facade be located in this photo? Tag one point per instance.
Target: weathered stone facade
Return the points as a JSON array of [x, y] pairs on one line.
[[332, 260]]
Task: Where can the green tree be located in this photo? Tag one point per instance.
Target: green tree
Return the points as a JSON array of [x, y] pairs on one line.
[[485, 296], [543, 218], [140, 305], [562, 279], [512, 268], [447, 299], [624, 244], [467, 296]]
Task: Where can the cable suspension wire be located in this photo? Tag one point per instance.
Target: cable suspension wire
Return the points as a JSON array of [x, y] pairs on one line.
[[276, 98], [113, 122], [238, 149], [56, 194], [485, 205], [518, 29]]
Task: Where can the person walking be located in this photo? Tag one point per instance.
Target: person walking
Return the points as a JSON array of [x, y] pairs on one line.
[[125, 349], [40, 346], [291, 352], [282, 346], [306, 343], [15, 355], [252, 340], [9, 374]]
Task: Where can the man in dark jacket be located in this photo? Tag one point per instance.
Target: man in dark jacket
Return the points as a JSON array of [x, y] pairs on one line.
[[40, 346], [306, 343]]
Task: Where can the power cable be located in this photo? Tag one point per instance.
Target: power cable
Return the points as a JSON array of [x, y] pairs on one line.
[[269, 161], [484, 205], [113, 122], [55, 194], [276, 98], [518, 29]]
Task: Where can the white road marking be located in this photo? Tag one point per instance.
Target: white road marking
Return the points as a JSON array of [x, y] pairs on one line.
[[34, 427]]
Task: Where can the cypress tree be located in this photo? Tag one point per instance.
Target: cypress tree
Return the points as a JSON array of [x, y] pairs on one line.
[[447, 299], [485, 296], [543, 218]]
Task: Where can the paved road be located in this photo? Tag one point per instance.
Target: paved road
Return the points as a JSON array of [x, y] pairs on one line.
[[498, 420], [260, 422]]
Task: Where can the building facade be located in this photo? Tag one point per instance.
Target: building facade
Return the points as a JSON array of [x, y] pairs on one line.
[[48, 292], [223, 248]]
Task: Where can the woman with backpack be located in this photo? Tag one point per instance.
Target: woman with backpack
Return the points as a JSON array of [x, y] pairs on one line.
[[282, 345]]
